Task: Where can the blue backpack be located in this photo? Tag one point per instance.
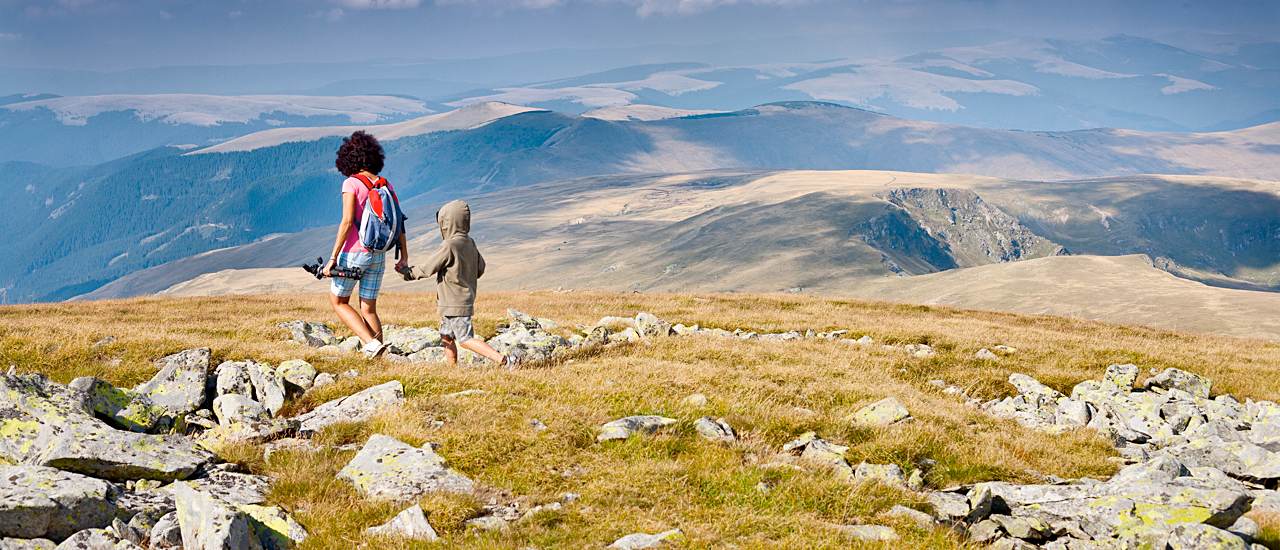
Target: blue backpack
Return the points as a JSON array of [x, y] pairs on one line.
[[382, 221]]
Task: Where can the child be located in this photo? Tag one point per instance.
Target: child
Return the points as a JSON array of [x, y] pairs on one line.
[[456, 266]]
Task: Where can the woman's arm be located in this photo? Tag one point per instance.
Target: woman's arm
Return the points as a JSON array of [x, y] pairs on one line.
[[404, 252], [348, 217]]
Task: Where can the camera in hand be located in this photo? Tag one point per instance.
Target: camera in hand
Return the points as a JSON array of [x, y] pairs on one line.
[[317, 269]]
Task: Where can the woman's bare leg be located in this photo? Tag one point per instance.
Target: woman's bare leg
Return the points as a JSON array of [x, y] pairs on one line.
[[369, 311], [351, 317]]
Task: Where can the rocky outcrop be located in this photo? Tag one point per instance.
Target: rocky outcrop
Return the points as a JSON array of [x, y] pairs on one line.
[[387, 468], [42, 502], [352, 408], [179, 387], [623, 428], [310, 333], [44, 423], [409, 524], [206, 521]]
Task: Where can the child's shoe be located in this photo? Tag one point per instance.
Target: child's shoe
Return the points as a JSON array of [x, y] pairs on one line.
[[513, 358]]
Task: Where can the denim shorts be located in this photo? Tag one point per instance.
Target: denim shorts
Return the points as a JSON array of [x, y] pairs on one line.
[[457, 328], [374, 265]]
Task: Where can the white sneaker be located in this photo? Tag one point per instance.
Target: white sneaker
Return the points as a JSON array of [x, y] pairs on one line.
[[373, 349]]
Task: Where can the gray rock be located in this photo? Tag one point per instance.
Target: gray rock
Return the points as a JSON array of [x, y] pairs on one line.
[[411, 340], [1265, 500], [1071, 412], [233, 487], [272, 527], [1121, 376], [27, 544], [695, 400], [323, 379], [297, 374], [1198, 536], [309, 333], [949, 506], [1245, 528], [869, 533], [1029, 386], [715, 429], [1170, 379], [387, 468], [639, 541], [124, 409], [981, 500], [986, 355], [352, 408], [410, 524], [488, 523], [43, 423], [232, 377], [649, 325], [179, 387], [126, 532], [41, 502], [96, 539], [882, 413], [268, 386], [1025, 528], [234, 407], [623, 428], [888, 474], [241, 419], [920, 519], [1237, 458], [207, 522], [814, 449], [288, 444], [166, 534]]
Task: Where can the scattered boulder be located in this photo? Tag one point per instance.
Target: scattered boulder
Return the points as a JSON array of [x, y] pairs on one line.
[[96, 539], [888, 474], [623, 428], [410, 340], [920, 519], [352, 408], [166, 534], [695, 400], [123, 409], [268, 385], [1177, 379], [919, 351], [233, 487], [206, 522], [42, 502], [241, 419], [639, 541], [715, 429], [179, 387], [232, 377], [312, 334], [297, 374], [986, 355], [649, 325], [882, 413], [44, 423], [869, 533], [410, 524], [388, 468], [814, 449], [1121, 376], [323, 379]]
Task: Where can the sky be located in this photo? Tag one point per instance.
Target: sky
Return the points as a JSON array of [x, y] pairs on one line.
[[121, 34]]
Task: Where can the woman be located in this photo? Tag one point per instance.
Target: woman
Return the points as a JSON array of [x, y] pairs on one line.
[[359, 155]]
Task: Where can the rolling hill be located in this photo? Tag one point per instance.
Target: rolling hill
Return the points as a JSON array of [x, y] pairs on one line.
[[881, 235]]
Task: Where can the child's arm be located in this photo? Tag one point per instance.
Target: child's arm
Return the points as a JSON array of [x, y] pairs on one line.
[[435, 264]]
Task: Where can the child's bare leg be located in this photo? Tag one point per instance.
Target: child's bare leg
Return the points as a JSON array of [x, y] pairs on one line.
[[351, 317], [483, 348], [450, 350]]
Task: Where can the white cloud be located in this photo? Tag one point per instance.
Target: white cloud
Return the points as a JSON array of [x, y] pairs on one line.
[[379, 4]]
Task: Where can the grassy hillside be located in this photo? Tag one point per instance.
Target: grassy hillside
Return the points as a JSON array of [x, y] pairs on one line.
[[769, 391]]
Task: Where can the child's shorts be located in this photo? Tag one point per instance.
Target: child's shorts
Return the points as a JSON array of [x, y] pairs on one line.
[[374, 265], [457, 328]]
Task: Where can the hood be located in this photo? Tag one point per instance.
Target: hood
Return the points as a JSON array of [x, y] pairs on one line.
[[454, 219]]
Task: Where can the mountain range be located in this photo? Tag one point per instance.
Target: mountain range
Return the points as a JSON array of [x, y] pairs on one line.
[[83, 227]]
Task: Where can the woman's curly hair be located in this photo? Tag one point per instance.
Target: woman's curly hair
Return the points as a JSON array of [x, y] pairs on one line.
[[359, 152]]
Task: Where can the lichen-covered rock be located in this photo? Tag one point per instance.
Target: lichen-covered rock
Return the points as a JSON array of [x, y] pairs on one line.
[[387, 468], [1171, 379], [273, 528], [233, 487], [1029, 386], [715, 429], [869, 533], [1121, 376], [882, 413], [232, 377], [288, 444], [268, 386], [179, 387], [42, 502], [207, 522], [888, 474], [323, 379], [297, 374], [96, 539], [312, 334], [241, 419], [352, 408], [410, 524], [623, 428], [640, 541], [44, 423], [1197, 536], [7, 543], [166, 534], [649, 325], [410, 340], [920, 519], [124, 409], [814, 449], [1237, 458]]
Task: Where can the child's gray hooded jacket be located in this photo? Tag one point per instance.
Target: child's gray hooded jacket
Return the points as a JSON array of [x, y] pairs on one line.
[[457, 265]]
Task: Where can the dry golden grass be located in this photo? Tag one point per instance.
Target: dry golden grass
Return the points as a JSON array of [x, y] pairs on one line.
[[674, 479]]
